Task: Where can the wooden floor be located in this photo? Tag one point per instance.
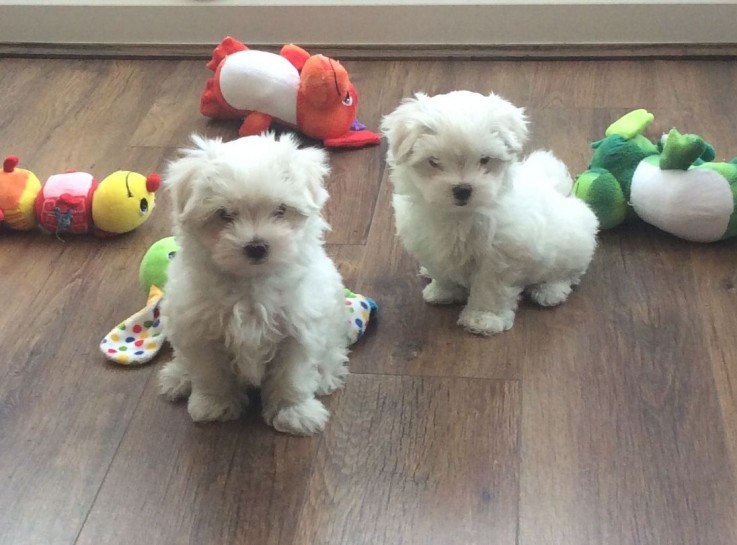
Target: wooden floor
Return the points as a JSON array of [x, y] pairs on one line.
[[611, 420]]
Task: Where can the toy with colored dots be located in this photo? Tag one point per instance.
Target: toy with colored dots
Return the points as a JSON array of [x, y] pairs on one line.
[[139, 339], [75, 202]]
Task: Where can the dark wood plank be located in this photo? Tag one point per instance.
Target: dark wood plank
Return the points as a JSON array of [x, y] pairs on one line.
[[416, 461], [625, 394], [173, 481], [716, 286], [63, 411], [634, 431], [173, 112]]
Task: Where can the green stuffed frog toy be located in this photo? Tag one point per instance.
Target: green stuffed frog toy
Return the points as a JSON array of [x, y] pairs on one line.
[[673, 184]]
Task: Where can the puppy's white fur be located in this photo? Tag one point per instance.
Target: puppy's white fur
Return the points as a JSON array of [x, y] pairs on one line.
[[252, 298], [484, 225]]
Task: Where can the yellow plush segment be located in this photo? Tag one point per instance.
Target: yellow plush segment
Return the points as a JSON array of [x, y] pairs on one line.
[[116, 205]]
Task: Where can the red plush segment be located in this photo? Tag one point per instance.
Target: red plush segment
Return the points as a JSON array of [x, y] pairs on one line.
[[66, 213], [153, 182], [354, 139], [11, 161], [295, 54], [326, 100], [255, 123], [228, 46]]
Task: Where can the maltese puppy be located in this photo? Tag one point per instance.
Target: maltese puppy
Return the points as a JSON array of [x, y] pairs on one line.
[[484, 225], [252, 299]]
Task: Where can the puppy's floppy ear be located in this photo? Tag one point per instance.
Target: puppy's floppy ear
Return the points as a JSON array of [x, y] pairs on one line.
[[182, 172], [404, 126], [310, 164], [512, 121]]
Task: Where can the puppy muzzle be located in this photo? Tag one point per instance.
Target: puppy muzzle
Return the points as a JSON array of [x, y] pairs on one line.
[[256, 250], [462, 194]]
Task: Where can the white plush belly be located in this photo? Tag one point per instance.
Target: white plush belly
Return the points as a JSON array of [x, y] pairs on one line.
[[694, 204], [261, 82]]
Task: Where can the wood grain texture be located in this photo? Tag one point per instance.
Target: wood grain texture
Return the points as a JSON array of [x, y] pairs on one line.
[[176, 482], [609, 420], [639, 434], [415, 461]]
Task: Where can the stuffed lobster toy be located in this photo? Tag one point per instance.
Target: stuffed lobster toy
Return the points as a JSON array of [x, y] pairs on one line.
[[75, 202], [673, 184], [138, 339], [311, 93]]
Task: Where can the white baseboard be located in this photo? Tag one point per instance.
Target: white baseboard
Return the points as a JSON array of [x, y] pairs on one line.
[[369, 22]]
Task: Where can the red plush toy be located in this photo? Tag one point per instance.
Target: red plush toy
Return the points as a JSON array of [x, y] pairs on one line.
[[311, 93]]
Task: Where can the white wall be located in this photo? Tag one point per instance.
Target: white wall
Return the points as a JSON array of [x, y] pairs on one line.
[[369, 22]]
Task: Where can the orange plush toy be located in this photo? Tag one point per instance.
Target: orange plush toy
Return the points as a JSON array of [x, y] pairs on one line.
[[311, 93]]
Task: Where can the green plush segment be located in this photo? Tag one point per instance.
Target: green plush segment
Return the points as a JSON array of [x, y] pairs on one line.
[[620, 157], [709, 153], [681, 150], [155, 264], [732, 225], [601, 191], [729, 171], [631, 124]]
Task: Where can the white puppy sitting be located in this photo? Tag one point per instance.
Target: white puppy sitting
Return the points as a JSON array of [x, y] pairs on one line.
[[252, 298], [484, 225]]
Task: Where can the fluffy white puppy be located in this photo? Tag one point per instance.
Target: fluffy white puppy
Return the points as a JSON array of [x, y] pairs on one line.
[[484, 225], [252, 298]]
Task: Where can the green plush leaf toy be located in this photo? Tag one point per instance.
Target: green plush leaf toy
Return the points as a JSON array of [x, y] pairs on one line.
[[672, 184], [139, 339]]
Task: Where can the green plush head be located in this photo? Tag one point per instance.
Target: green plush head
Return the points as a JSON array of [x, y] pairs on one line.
[[620, 156], [155, 264], [601, 191]]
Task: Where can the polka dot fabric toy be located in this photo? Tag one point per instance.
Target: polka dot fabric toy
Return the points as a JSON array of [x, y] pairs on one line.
[[360, 309], [138, 339]]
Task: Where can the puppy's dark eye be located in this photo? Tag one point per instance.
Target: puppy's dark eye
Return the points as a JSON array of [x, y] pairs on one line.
[[485, 160], [280, 211], [434, 163], [224, 215]]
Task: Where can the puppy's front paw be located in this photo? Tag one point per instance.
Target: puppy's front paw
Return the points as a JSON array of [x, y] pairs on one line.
[[210, 408], [482, 322], [438, 294], [331, 380], [550, 294], [174, 381], [305, 418]]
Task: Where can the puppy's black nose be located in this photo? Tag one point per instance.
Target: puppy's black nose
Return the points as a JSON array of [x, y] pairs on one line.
[[461, 193], [256, 250]]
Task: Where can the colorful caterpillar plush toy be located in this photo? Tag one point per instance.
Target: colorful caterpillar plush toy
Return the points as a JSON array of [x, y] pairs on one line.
[[75, 202]]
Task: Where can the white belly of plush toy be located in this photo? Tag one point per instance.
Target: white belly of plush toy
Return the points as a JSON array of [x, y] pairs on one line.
[[693, 204], [262, 82]]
